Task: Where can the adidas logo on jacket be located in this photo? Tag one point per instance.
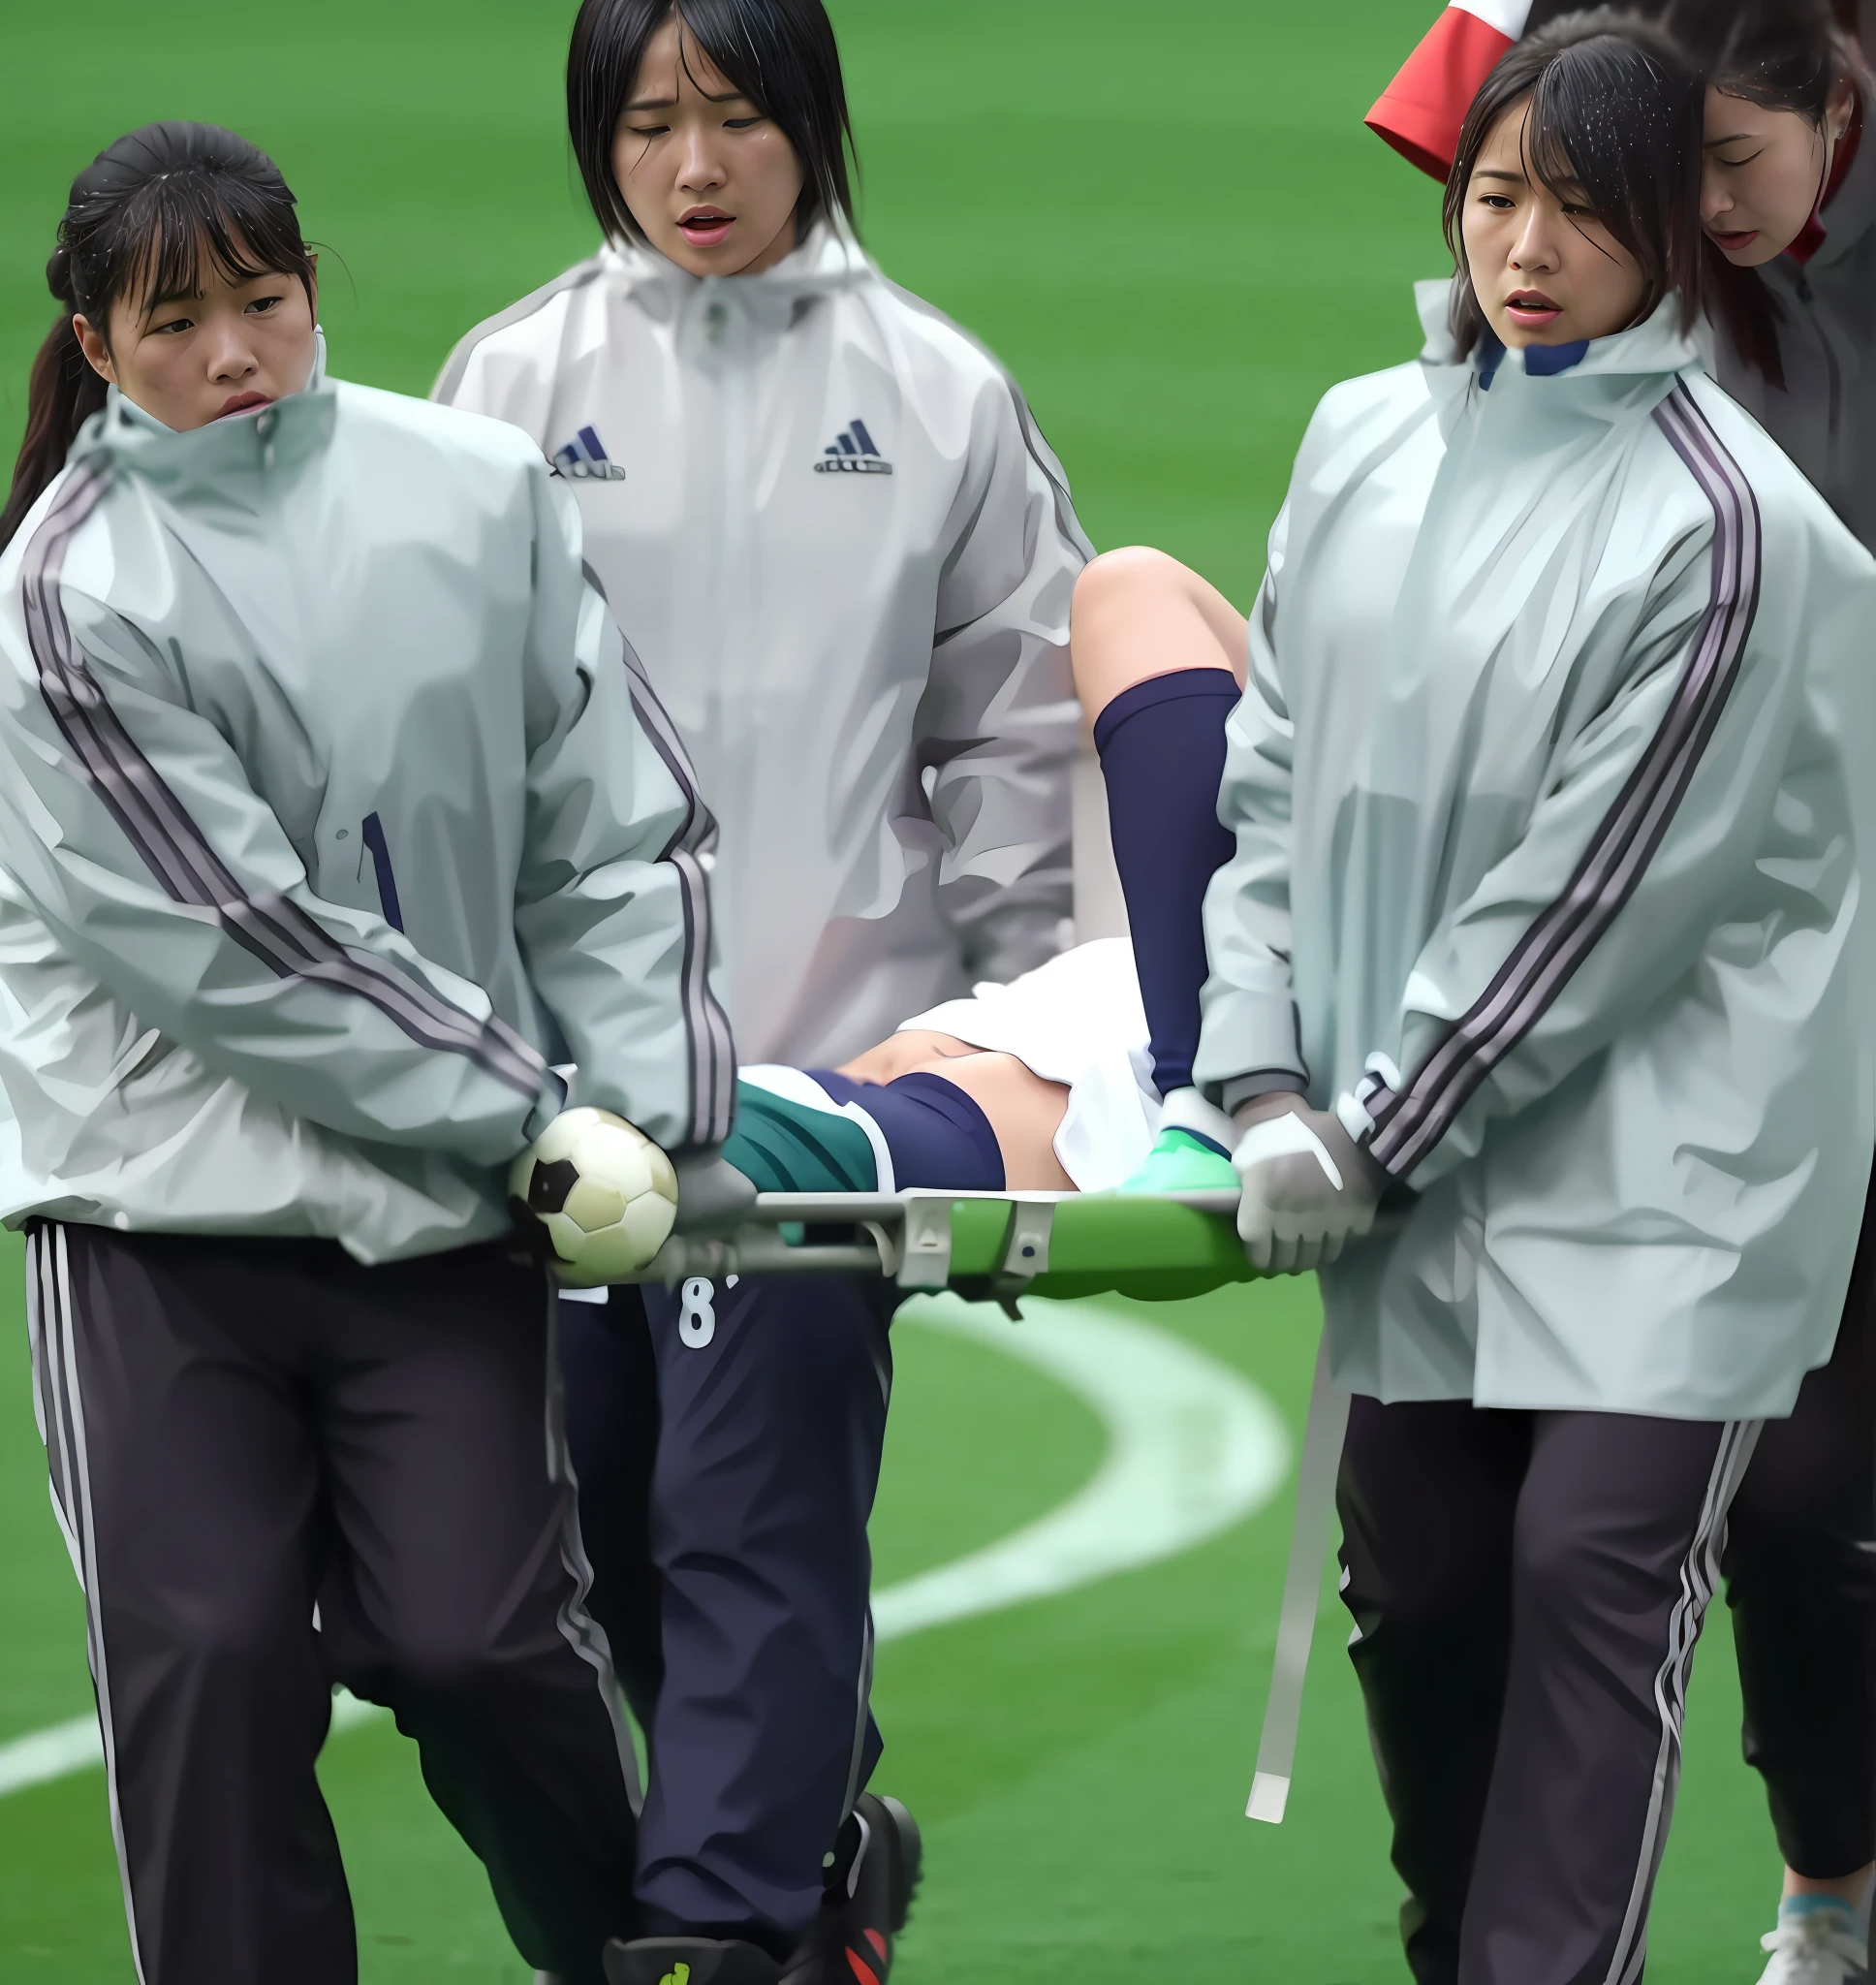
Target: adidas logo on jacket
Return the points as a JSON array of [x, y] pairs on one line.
[[844, 553]]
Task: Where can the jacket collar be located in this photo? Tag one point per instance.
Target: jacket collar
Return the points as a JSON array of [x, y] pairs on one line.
[[1851, 208], [225, 458], [1655, 346], [828, 260]]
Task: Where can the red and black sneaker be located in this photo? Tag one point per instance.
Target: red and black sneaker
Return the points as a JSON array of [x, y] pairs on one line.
[[868, 1898]]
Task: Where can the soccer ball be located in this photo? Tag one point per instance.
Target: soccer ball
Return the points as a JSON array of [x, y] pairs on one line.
[[600, 1190]]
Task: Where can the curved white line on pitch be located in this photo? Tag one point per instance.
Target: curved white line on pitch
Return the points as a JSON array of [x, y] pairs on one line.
[[61, 1750], [1193, 1448]]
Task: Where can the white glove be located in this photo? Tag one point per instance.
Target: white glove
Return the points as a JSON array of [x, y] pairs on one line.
[[1308, 1187]]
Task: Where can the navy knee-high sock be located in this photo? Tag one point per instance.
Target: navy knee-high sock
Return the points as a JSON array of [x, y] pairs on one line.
[[1162, 745]]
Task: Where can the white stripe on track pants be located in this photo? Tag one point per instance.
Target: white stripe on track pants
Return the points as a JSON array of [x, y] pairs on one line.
[[1527, 1590], [238, 1429]]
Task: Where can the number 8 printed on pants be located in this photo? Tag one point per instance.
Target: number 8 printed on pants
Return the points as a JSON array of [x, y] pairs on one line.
[[697, 1318]]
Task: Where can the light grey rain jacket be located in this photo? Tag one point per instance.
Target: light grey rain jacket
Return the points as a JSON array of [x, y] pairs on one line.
[[1554, 813], [846, 553], [329, 815]]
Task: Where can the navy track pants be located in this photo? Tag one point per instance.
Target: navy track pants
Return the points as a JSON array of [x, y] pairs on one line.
[[733, 1578]]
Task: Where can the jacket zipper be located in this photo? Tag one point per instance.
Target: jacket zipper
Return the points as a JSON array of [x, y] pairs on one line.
[[1835, 436], [374, 838]]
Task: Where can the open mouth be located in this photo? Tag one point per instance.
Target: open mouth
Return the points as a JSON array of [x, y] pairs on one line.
[[1532, 309], [241, 402], [706, 225], [1736, 239]]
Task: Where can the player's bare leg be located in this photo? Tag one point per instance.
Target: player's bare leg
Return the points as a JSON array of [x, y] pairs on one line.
[[1160, 658], [1139, 613]]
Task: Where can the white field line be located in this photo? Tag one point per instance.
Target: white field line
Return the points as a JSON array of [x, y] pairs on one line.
[[66, 1748], [1193, 1448]]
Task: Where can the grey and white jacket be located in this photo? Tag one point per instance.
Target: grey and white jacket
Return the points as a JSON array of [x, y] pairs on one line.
[[1554, 838], [833, 532], [331, 815]]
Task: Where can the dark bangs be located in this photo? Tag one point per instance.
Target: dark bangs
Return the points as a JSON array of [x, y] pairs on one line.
[[145, 213], [781, 54], [1616, 119], [1782, 54], [168, 234]]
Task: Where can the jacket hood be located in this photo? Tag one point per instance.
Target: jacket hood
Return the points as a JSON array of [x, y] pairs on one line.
[[828, 260], [1655, 345], [222, 454]]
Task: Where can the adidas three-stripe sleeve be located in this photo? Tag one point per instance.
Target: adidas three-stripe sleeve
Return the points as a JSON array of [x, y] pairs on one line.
[[997, 722], [1249, 1003], [129, 826], [613, 902], [1630, 857]]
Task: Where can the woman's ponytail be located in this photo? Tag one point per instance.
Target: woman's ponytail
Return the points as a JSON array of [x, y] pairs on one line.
[[61, 397], [141, 217]]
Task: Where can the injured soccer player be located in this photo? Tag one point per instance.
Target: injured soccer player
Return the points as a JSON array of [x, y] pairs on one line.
[[1076, 1076], [1043, 1084]]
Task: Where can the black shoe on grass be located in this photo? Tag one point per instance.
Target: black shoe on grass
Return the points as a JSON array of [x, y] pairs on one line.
[[868, 1898], [688, 1960]]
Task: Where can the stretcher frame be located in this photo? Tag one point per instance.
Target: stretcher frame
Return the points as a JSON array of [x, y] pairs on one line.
[[985, 1245], [1003, 1245]]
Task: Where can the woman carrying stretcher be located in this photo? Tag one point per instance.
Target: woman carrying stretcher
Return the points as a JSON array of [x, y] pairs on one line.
[[1542, 925], [1789, 206], [328, 819]]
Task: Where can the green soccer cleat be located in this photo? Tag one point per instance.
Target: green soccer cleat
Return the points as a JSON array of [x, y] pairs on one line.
[[1181, 1161]]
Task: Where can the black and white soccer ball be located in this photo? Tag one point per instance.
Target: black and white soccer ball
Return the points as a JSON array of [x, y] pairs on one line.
[[600, 1192]]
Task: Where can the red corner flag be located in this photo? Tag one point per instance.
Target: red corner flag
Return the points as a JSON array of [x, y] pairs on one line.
[[1421, 110]]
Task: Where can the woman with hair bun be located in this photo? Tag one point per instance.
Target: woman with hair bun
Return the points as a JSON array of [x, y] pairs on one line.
[[329, 819], [1789, 205]]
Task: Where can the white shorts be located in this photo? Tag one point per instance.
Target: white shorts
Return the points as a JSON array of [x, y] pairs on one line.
[[1078, 1019]]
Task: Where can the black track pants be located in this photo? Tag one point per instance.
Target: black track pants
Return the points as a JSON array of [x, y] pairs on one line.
[[1801, 1581], [1527, 1590], [238, 1430]]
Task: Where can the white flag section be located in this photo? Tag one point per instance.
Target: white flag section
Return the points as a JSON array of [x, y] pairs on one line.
[[1193, 1448], [1421, 110], [1507, 16]]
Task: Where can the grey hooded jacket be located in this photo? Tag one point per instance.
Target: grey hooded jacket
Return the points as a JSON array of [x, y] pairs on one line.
[[1554, 828], [846, 553], [331, 814]]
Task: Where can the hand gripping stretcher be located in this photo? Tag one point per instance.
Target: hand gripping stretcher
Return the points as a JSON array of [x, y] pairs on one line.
[[1000, 1247]]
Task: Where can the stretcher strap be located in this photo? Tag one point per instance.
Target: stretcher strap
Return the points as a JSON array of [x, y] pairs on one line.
[[1302, 1587]]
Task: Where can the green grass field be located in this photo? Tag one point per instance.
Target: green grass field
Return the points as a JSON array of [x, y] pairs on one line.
[[1170, 224]]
